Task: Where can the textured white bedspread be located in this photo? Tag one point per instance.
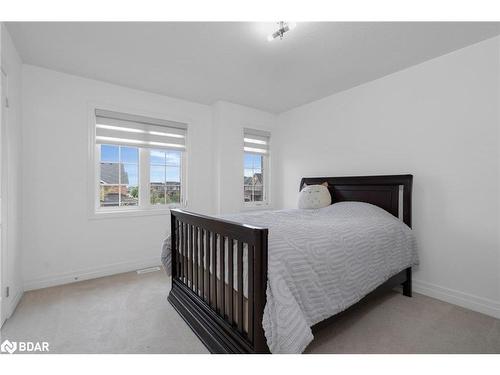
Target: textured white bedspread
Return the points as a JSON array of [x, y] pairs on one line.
[[322, 261]]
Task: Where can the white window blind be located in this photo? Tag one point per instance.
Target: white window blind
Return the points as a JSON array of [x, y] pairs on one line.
[[256, 141], [121, 128]]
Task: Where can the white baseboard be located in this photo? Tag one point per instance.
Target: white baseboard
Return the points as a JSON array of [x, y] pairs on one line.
[[87, 274], [469, 301], [14, 302], [11, 306]]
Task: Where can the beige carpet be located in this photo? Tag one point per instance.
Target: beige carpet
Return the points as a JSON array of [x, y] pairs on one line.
[[129, 313]]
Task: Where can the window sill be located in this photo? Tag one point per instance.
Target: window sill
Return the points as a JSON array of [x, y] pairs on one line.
[[115, 214], [260, 207]]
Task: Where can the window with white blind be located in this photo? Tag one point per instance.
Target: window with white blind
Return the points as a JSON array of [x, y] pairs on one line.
[[139, 162], [255, 167]]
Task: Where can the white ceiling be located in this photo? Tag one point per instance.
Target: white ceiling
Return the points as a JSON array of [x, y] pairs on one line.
[[209, 61]]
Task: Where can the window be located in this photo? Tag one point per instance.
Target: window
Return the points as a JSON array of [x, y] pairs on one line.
[[253, 180], [119, 176], [140, 162], [255, 167], [165, 177]]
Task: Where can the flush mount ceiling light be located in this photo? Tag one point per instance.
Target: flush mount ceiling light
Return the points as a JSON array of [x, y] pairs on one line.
[[283, 27]]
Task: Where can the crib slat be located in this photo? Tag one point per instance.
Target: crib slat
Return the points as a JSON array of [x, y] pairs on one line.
[[213, 293], [181, 240], [239, 275], [174, 248], [230, 279], [207, 269], [251, 254], [260, 280], [178, 249], [201, 274], [184, 252], [190, 256], [194, 282], [222, 275]]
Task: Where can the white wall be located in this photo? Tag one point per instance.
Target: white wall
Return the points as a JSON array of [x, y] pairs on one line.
[[60, 240], [438, 121], [229, 121], [11, 173]]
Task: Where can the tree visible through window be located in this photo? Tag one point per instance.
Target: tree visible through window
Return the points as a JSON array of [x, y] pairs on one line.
[[253, 178]]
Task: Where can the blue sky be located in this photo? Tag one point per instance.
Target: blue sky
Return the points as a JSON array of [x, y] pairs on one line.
[[253, 164], [164, 164]]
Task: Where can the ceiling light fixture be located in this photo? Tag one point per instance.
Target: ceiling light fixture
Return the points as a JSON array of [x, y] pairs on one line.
[[283, 27]]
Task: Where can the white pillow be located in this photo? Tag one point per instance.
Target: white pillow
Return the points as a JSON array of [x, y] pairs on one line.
[[315, 196]]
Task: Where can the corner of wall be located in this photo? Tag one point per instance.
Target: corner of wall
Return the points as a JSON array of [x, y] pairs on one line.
[[12, 173], [216, 119], [229, 119]]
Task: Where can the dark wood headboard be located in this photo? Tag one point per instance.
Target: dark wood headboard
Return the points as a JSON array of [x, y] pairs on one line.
[[382, 191]]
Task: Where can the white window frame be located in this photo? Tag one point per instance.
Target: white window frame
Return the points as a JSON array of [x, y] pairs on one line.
[[265, 203], [266, 165], [144, 207], [144, 183]]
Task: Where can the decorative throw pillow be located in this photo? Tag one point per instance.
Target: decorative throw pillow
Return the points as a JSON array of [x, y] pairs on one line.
[[314, 196]]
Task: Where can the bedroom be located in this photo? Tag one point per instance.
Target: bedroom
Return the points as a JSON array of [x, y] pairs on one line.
[[118, 154]]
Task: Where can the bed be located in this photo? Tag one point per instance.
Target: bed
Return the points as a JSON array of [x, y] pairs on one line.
[[261, 286]]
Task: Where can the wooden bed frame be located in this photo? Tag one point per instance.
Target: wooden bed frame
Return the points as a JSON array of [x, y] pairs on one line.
[[228, 318]]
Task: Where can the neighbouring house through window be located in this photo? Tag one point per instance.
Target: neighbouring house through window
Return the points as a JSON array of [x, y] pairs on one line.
[[255, 167], [119, 176], [253, 178]]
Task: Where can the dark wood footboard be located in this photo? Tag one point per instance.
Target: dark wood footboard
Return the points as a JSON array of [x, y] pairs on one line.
[[219, 280]]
